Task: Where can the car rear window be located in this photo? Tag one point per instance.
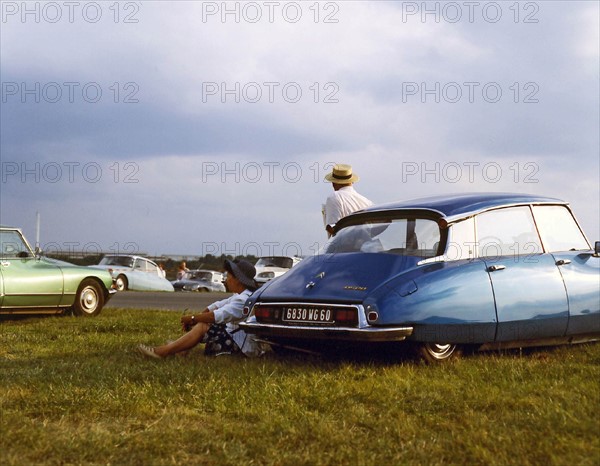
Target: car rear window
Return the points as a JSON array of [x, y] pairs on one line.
[[405, 236]]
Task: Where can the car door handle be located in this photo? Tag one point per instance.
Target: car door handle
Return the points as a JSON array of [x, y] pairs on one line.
[[495, 268], [5, 263], [563, 262]]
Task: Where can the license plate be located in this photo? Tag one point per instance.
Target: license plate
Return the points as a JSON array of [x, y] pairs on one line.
[[308, 314]]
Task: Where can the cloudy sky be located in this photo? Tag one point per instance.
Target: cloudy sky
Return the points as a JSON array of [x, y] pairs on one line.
[[207, 127]]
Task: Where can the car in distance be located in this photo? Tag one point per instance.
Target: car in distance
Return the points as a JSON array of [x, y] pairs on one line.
[[270, 267], [133, 272], [31, 284], [437, 275], [200, 280]]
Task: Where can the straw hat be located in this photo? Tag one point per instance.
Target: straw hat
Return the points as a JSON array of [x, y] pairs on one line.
[[342, 174]]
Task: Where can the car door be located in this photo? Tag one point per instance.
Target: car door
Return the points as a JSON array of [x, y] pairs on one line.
[[147, 276], [578, 266], [530, 297], [28, 282], [1, 288], [154, 276]]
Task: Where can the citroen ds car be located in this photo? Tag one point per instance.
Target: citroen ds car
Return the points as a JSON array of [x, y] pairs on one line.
[[270, 267], [31, 284], [438, 275], [135, 273]]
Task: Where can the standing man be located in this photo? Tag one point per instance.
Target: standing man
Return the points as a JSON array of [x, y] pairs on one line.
[[344, 199]]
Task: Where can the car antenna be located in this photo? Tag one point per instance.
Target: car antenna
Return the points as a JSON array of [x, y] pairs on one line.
[[37, 230]]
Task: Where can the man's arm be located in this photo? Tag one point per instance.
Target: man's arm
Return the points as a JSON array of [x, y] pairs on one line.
[[207, 317], [333, 213], [329, 229]]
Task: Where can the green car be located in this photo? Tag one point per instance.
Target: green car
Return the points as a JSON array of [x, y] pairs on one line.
[[30, 284]]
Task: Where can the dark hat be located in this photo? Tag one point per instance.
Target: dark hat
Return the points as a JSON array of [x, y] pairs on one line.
[[244, 271]]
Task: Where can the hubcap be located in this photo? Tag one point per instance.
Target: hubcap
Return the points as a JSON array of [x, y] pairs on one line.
[[440, 351], [89, 299]]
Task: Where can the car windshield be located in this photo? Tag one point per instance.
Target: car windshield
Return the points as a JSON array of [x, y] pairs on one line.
[[283, 262], [12, 245], [121, 261], [207, 276], [404, 236]]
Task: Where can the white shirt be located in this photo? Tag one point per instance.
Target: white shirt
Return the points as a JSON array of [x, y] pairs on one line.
[[229, 311], [343, 202]]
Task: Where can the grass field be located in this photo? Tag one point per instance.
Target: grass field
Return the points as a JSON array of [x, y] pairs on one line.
[[74, 391]]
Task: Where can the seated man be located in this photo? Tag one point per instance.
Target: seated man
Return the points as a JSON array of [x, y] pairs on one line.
[[217, 324]]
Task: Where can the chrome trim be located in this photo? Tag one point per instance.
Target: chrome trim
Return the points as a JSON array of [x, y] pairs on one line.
[[330, 333], [57, 306], [363, 332], [472, 213]]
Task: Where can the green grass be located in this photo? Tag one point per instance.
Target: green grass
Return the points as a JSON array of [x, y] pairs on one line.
[[74, 391]]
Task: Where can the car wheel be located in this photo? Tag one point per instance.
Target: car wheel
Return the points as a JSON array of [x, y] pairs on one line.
[[89, 299], [122, 283], [437, 352], [203, 290]]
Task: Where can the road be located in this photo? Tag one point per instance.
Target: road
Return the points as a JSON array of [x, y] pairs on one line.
[[177, 301]]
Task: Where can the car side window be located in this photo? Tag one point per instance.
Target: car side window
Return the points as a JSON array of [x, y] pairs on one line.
[[151, 268], [12, 245], [558, 229], [507, 232], [462, 240], [140, 265]]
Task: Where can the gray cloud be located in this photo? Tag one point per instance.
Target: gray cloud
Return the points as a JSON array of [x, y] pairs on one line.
[[366, 63]]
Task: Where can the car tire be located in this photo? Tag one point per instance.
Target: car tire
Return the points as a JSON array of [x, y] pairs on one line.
[[203, 290], [89, 299], [433, 353], [121, 283]]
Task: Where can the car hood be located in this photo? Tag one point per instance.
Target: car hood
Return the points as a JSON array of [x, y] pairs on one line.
[[271, 269], [336, 277]]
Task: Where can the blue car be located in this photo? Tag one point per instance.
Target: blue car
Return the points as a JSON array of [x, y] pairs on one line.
[[438, 275], [200, 280], [136, 273]]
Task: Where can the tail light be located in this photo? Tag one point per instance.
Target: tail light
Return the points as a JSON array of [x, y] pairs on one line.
[[267, 314], [346, 316]]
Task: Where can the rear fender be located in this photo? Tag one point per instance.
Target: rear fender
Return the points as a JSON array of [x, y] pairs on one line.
[[448, 302]]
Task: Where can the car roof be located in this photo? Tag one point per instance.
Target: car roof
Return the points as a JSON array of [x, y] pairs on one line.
[[462, 205]]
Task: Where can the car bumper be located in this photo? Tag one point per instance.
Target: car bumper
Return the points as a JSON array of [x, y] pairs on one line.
[[369, 333], [111, 292]]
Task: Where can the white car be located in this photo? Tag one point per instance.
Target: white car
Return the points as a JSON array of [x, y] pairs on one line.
[[135, 273], [270, 267]]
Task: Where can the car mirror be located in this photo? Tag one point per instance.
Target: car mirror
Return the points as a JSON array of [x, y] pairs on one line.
[[597, 249]]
